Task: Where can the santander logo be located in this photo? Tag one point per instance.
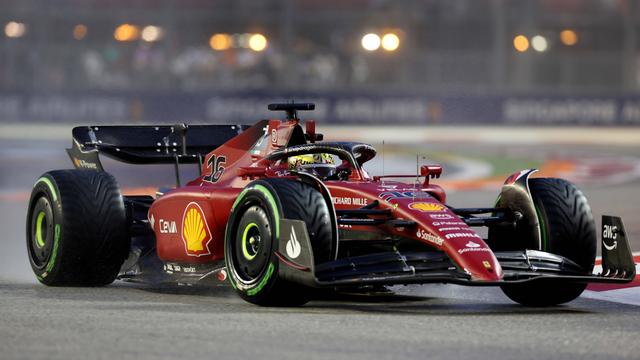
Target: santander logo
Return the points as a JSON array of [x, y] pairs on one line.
[[472, 247]]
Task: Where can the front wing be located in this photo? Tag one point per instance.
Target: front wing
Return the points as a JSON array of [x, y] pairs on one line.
[[395, 268]]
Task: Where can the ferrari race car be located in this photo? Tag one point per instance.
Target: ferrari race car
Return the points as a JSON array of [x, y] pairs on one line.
[[277, 211]]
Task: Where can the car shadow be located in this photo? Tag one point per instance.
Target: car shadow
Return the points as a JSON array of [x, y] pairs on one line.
[[382, 302], [420, 305], [321, 302]]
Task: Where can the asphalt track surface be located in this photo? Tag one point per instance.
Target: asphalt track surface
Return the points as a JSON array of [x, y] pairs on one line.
[[127, 321]]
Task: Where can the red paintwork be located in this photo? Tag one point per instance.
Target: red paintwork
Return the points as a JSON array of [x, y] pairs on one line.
[[244, 161], [470, 259]]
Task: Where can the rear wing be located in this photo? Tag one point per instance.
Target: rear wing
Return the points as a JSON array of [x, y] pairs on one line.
[[148, 144]]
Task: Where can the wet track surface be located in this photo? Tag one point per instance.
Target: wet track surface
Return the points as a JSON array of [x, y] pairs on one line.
[[131, 321]]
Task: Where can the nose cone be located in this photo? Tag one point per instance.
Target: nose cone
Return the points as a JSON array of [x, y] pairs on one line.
[[438, 226], [476, 259]]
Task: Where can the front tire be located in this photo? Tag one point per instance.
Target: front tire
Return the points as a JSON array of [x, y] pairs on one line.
[[568, 229], [77, 232]]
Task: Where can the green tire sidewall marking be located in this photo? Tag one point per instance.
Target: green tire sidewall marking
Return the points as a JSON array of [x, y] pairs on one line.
[[274, 207], [244, 242], [56, 238], [39, 219], [54, 252], [543, 231], [270, 199], [52, 188], [497, 200], [256, 289], [239, 198]]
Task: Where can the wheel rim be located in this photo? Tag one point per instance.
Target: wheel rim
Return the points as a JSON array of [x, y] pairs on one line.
[[41, 232], [251, 241], [252, 249], [41, 227]]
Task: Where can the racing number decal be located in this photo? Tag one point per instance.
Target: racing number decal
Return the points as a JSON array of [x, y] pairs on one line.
[[216, 164]]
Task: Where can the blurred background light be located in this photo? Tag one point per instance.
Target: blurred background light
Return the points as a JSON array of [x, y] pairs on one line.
[[79, 31], [15, 29], [370, 42], [390, 42], [152, 33], [568, 37], [257, 42], [521, 43], [220, 42], [241, 40], [470, 49], [539, 43], [126, 32]]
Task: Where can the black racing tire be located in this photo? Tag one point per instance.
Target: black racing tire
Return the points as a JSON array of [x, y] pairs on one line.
[[251, 239], [568, 229], [77, 230]]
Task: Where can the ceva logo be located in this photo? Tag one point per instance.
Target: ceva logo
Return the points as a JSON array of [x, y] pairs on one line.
[[195, 231]]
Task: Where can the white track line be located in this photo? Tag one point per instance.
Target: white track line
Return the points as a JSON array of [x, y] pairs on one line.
[[629, 295]]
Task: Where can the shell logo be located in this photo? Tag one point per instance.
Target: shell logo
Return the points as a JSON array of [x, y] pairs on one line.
[[195, 231], [426, 207]]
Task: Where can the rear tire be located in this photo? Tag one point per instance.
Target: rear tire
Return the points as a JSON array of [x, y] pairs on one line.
[[251, 240], [568, 229], [77, 231]]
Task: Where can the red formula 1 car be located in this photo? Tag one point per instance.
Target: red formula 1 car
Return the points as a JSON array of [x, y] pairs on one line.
[[277, 211]]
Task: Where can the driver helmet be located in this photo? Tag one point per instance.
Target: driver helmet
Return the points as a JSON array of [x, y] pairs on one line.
[[320, 165]]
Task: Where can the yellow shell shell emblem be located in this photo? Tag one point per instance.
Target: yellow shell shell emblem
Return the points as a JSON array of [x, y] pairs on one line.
[[195, 231], [426, 207]]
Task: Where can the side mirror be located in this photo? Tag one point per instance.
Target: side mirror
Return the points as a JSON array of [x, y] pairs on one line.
[[430, 172], [310, 129]]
